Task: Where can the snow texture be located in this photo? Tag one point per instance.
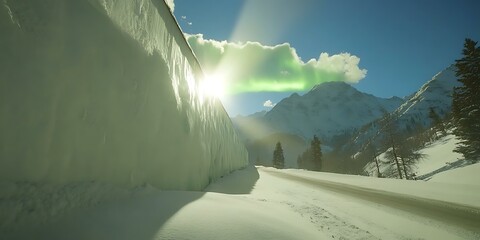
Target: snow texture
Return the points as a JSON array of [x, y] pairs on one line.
[[438, 156], [107, 91], [276, 204], [462, 175]]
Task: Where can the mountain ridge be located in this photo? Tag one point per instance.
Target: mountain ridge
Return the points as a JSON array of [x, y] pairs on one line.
[[326, 110]]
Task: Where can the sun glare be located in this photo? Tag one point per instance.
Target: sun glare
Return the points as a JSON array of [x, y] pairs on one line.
[[213, 86]]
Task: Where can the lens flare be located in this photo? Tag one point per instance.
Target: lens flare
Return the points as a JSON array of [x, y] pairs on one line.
[[213, 86]]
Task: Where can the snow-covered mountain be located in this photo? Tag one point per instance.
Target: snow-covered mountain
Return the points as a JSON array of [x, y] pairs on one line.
[[436, 94], [328, 110], [337, 112]]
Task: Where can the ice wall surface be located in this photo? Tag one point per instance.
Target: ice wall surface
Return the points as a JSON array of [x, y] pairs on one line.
[[106, 90]]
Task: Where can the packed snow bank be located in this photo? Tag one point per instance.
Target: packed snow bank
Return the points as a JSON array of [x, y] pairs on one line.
[[25, 203], [464, 193], [238, 182], [163, 216], [108, 91]]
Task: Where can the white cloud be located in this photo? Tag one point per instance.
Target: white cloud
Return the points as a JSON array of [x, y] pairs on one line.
[[253, 67], [189, 23], [343, 62], [184, 17], [170, 4], [269, 104]]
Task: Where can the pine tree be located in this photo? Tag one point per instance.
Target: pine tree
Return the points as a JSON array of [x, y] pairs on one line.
[[316, 153], [466, 102], [437, 123], [278, 158], [311, 158], [305, 160]]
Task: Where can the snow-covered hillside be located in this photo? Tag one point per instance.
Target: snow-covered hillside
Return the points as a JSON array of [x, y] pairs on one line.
[[438, 156], [329, 109], [435, 94], [107, 91]]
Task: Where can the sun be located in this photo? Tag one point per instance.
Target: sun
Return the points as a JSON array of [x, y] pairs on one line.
[[213, 86]]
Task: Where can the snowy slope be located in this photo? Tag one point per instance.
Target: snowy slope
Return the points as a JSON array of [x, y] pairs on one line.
[[329, 109], [436, 94], [438, 155], [463, 175], [281, 204], [107, 91]]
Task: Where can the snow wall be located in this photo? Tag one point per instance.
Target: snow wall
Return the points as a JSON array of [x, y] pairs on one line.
[[108, 91]]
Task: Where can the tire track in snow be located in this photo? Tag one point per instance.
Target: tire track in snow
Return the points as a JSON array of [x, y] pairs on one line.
[[464, 217], [328, 222]]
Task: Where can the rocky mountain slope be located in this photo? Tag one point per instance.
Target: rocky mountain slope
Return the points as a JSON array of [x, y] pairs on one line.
[[328, 110], [414, 113]]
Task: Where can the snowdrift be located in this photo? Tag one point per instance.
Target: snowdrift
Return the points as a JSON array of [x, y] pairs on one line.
[[108, 91]]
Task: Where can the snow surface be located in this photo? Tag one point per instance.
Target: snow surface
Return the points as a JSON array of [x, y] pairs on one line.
[[437, 155], [462, 193], [106, 91], [463, 175], [266, 203]]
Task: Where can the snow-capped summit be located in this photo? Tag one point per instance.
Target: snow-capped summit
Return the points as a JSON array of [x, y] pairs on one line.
[[436, 94], [329, 109]]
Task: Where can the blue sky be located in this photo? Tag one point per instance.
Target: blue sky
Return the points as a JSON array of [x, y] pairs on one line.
[[400, 44]]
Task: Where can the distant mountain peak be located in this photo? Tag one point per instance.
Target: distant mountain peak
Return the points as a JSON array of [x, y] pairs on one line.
[[331, 86], [329, 109], [294, 95]]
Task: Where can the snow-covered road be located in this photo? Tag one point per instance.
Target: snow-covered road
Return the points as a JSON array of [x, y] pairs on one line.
[[465, 217], [265, 203]]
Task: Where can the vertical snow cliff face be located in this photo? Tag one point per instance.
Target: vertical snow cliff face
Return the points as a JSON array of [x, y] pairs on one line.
[[106, 90]]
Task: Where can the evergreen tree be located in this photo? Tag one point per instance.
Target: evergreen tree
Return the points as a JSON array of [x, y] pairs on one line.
[[316, 153], [466, 102], [278, 158], [305, 160], [437, 123], [311, 159], [300, 162]]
